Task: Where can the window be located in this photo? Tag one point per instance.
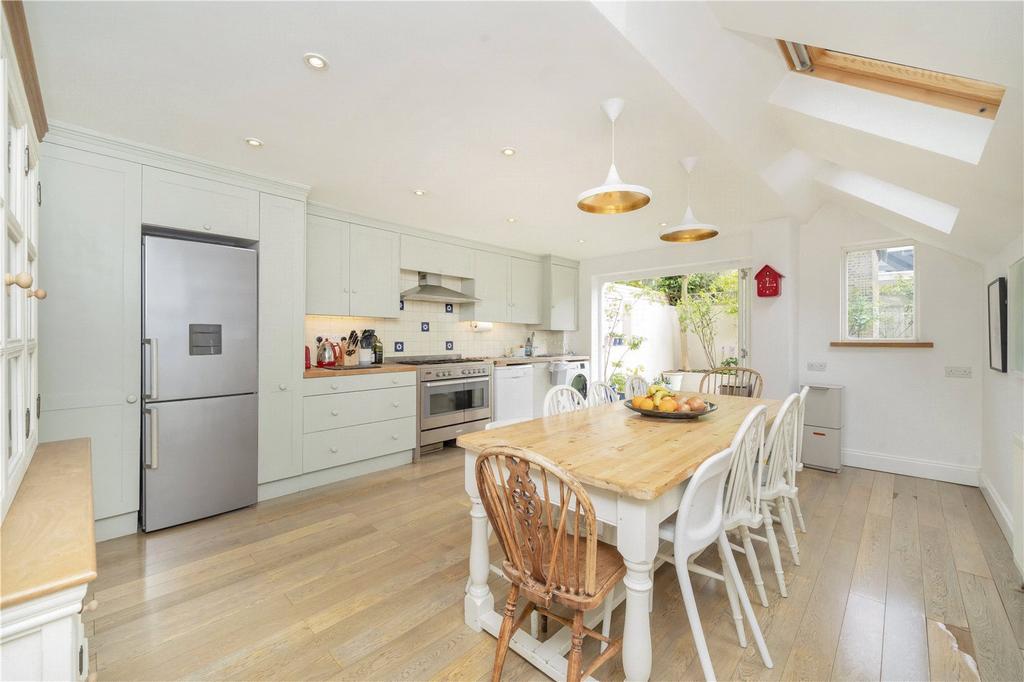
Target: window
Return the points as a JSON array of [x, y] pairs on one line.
[[938, 89], [879, 293]]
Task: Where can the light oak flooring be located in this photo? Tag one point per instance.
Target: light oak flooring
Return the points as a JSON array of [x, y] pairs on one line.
[[901, 578]]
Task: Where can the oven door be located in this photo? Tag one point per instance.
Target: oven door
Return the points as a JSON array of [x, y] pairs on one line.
[[442, 403], [476, 399]]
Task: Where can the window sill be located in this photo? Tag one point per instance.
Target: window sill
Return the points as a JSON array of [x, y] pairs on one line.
[[881, 344]]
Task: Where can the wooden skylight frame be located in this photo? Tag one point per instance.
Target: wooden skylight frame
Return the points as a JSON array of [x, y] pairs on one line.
[[945, 90]]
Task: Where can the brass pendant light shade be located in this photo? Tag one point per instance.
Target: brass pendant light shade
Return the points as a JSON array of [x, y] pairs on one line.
[[690, 230], [614, 196]]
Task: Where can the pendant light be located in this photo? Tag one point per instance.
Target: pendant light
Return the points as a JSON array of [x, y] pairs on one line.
[[614, 196], [691, 229]]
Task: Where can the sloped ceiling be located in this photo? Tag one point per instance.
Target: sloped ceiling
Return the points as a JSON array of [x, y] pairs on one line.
[[424, 95]]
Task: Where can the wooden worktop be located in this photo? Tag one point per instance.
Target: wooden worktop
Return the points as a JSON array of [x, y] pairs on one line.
[[612, 448], [48, 543], [504, 362], [320, 373]]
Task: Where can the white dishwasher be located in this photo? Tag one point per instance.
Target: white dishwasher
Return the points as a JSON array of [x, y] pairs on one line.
[[513, 392]]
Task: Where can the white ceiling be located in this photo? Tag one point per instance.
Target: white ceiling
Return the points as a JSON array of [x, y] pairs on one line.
[[424, 95]]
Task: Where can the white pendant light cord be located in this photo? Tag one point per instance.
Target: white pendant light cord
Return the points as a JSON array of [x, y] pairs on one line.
[[613, 141]]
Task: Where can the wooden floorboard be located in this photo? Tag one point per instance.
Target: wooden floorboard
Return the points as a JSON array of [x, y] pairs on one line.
[[900, 578]]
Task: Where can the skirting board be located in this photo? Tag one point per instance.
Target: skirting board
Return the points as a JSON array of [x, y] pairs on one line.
[[116, 526], [999, 509], [909, 466], [287, 486]]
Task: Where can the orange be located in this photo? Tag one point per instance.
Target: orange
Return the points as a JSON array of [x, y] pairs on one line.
[[668, 405], [646, 404], [636, 401]]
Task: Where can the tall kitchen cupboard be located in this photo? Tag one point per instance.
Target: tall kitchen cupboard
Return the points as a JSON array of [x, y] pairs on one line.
[[282, 249], [90, 364], [559, 295]]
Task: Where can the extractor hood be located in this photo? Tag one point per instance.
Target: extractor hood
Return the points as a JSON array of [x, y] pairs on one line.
[[430, 289]]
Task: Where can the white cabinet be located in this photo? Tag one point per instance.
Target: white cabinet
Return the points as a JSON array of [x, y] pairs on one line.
[[351, 269], [186, 202], [281, 311], [374, 267], [327, 273], [89, 368], [441, 258], [558, 296], [490, 284], [525, 287]]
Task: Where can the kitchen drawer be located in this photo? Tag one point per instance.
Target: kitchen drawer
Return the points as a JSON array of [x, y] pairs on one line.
[[822, 448], [186, 202], [824, 406], [321, 412], [335, 447], [358, 382], [451, 432]]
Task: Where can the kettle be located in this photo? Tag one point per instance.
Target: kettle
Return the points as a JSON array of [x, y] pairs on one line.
[[325, 356]]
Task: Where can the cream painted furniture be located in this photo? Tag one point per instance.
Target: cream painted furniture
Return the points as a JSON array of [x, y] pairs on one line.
[[441, 258], [601, 393], [634, 469], [562, 400], [99, 193], [351, 269], [490, 283], [559, 288], [547, 529], [524, 291], [23, 289], [800, 454], [732, 381], [699, 523], [636, 385], [47, 560]]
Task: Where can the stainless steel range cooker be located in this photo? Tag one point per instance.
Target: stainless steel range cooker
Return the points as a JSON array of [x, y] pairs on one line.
[[454, 395]]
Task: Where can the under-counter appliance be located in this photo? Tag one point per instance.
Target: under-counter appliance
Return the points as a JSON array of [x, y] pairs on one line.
[[575, 373], [823, 427], [199, 410], [513, 392], [454, 396]]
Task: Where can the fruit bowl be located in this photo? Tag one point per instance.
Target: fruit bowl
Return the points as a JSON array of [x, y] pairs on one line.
[[711, 407]]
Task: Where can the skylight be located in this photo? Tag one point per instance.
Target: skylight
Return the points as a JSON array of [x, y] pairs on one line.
[[944, 90]]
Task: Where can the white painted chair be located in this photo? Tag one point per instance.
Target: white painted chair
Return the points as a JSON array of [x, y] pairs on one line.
[[778, 484], [602, 393], [700, 522], [562, 400], [800, 453], [636, 385]]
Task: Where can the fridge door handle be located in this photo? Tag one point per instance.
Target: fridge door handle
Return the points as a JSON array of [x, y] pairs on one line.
[[154, 368], [153, 461]]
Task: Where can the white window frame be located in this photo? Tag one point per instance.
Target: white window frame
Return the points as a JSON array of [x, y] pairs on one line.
[[844, 328]]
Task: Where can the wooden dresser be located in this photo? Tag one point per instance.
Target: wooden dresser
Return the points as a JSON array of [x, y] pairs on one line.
[[47, 560]]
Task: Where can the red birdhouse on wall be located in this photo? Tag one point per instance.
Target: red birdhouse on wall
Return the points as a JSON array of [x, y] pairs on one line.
[[769, 282]]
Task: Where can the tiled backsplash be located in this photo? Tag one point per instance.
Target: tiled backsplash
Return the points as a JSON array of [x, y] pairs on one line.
[[444, 334]]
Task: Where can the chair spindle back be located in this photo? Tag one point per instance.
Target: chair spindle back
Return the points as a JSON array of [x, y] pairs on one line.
[[739, 381]]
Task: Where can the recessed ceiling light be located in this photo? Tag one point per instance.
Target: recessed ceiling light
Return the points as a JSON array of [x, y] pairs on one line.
[[315, 61], [508, 151], [254, 142], [419, 192], [511, 220], [662, 224], [581, 241]]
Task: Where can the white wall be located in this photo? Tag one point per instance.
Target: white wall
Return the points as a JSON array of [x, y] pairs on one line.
[[1003, 424], [900, 412]]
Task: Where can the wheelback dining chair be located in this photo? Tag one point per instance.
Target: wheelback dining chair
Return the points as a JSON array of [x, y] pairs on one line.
[[800, 453], [778, 485], [739, 381], [700, 522], [563, 399], [546, 527], [602, 393], [636, 385]]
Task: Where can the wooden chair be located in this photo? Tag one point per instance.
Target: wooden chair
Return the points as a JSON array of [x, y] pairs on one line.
[[636, 385], [741, 381], [562, 400], [699, 522], [602, 393], [547, 529], [778, 486], [800, 453]]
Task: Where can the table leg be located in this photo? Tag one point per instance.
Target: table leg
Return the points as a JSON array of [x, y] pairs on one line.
[[479, 600], [638, 544]]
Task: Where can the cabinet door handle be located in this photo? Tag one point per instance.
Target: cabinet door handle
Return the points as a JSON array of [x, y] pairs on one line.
[[334, 387], [207, 228], [131, 399], [394, 381], [154, 438], [282, 387], [394, 436], [394, 404], [334, 413], [154, 368], [333, 451]]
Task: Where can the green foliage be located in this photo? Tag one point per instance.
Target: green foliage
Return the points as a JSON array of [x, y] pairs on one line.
[[710, 295]]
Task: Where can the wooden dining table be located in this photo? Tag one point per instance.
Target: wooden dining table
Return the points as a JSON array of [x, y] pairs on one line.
[[635, 469]]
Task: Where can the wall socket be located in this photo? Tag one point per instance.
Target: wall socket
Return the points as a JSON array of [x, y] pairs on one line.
[[816, 366], [958, 372]]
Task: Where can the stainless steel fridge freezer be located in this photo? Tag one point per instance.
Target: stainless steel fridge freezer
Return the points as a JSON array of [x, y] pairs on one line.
[[199, 416]]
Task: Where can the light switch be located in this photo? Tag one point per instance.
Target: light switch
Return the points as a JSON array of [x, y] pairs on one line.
[[816, 366]]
